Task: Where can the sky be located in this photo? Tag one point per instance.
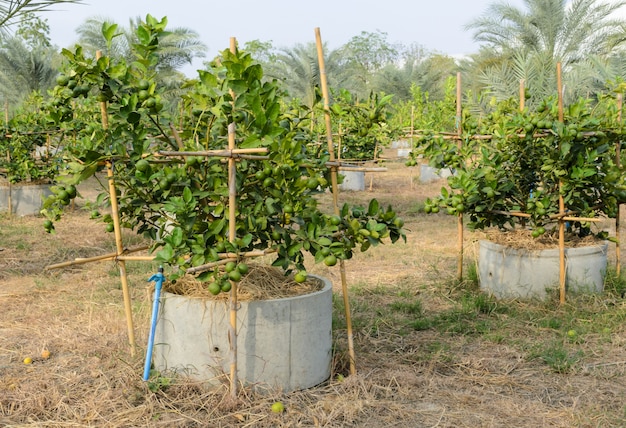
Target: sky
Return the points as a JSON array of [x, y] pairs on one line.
[[436, 25]]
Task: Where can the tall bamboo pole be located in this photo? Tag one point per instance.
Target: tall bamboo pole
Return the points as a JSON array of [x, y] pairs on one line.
[[618, 262], [232, 230], [459, 130], [522, 94], [559, 84], [335, 188], [118, 235], [411, 136]]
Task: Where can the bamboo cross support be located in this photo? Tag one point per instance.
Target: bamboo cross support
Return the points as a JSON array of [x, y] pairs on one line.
[[618, 261], [459, 130], [118, 235], [559, 85], [232, 231], [335, 190]]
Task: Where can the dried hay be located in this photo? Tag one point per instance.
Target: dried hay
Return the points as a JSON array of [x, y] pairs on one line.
[[261, 283], [522, 239]]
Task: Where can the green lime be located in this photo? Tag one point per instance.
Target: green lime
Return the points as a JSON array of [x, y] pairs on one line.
[[230, 266], [110, 228], [143, 84], [214, 288], [62, 80], [335, 220], [312, 183], [243, 268], [71, 191], [47, 224], [330, 260], [235, 276], [226, 286], [142, 165], [300, 277]]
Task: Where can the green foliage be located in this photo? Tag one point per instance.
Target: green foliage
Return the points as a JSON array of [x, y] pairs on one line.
[[183, 204], [530, 160], [362, 126], [29, 148]]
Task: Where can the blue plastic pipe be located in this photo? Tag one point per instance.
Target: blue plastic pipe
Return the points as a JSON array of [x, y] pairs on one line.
[[158, 284]]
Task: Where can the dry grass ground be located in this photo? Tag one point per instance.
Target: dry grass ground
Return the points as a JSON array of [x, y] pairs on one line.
[[431, 352]]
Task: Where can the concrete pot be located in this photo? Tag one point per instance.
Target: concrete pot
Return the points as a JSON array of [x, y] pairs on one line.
[[428, 174], [25, 199], [518, 273], [353, 180], [282, 344]]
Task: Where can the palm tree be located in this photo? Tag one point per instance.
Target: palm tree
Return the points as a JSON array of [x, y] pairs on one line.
[[179, 47], [23, 70], [565, 31], [527, 44], [11, 11]]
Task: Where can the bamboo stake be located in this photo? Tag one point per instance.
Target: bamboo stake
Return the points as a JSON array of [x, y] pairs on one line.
[[559, 84], [459, 130], [618, 263], [232, 230], [412, 142], [522, 94], [80, 261], [335, 189], [118, 234], [10, 201]]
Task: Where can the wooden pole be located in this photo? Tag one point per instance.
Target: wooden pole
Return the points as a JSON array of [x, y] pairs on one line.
[[559, 84], [118, 235], [232, 230], [335, 188], [10, 198], [618, 263], [459, 130], [522, 94], [411, 135]]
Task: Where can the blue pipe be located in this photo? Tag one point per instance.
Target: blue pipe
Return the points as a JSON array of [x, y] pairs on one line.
[[158, 284]]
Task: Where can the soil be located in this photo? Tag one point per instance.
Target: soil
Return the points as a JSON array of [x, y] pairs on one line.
[[425, 356]]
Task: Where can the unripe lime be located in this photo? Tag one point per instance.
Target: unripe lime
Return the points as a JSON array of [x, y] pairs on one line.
[[330, 260], [278, 407], [300, 277], [243, 268], [214, 288]]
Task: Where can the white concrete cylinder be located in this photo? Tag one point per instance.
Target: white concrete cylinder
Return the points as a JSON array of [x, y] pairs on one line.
[[353, 180], [25, 199], [282, 343], [519, 273], [428, 174]]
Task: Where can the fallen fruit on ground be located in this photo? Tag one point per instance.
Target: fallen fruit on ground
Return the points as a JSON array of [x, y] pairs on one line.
[[28, 360], [278, 407]]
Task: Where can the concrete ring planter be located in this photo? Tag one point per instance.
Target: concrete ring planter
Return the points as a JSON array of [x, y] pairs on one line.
[[353, 180], [282, 343], [428, 174], [519, 273], [25, 199]]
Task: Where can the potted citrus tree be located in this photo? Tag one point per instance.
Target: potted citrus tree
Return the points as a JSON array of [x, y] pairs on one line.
[[514, 181], [30, 158], [363, 130], [183, 203]]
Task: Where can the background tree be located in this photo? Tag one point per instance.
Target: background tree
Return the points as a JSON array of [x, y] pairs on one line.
[[366, 54], [13, 11], [528, 42], [28, 62]]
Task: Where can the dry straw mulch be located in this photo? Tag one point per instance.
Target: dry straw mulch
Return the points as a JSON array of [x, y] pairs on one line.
[[522, 239], [261, 283]]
